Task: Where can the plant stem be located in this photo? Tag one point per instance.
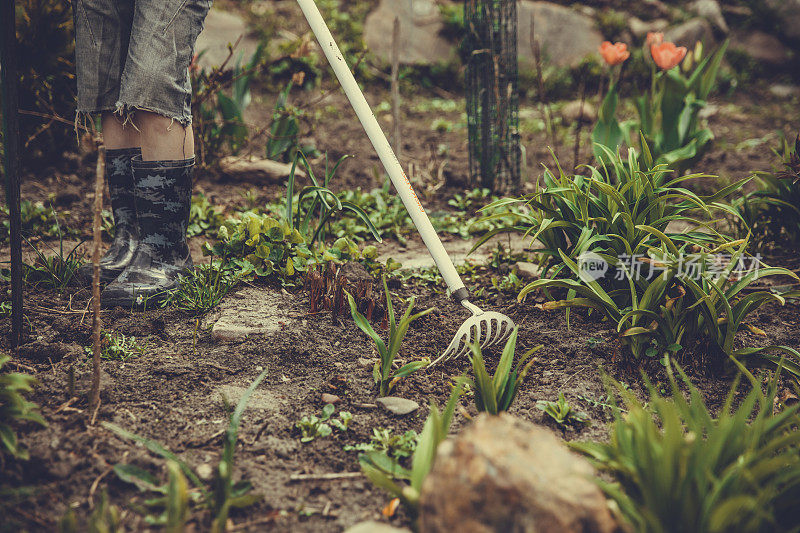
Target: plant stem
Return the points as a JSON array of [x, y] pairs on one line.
[[94, 397]]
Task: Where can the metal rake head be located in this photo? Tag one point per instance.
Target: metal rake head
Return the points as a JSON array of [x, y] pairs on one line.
[[488, 328]]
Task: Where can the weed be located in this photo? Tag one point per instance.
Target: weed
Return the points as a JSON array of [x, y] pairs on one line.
[[36, 220], [225, 494], [312, 427], [117, 347], [202, 288], [203, 217], [14, 408], [284, 129], [495, 394], [384, 373], [678, 467], [55, 271], [560, 411], [383, 470], [394, 446]]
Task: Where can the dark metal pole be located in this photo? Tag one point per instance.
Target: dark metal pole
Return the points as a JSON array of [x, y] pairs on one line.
[[8, 60]]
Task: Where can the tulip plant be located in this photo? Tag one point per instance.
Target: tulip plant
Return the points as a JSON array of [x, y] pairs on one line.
[[668, 115]]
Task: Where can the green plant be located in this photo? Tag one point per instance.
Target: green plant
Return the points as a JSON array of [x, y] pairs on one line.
[[14, 408], [679, 467], [55, 271], [562, 412], [36, 220], [771, 213], [202, 288], [312, 426], [697, 295], [117, 347], [495, 394], [394, 446], [668, 115], [383, 470], [606, 211], [284, 129], [224, 495], [203, 217], [384, 373]]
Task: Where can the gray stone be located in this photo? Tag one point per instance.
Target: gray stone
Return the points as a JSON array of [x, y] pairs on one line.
[[784, 91], [397, 406], [221, 28], [259, 399], [640, 28], [372, 526], [690, 32], [788, 14], [576, 111], [248, 311], [564, 35], [420, 27], [526, 270], [505, 474], [712, 12], [763, 47]]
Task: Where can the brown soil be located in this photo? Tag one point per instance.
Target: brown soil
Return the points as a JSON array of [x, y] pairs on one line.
[[172, 392]]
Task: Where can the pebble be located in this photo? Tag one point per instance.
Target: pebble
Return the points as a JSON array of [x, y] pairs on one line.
[[526, 270], [369, 363], [397, 406], [330, 398], [205, 472]]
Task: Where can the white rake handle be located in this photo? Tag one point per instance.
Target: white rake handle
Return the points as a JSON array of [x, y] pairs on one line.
[[384, 149]]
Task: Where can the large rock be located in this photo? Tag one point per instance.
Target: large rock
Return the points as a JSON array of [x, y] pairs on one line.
[[221, 28], [691, 31], [712, 12], [504, 474], [565, 35], [420, 27], [765, 48], [788, 14]]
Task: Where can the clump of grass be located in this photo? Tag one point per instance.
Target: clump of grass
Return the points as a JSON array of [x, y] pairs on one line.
[[202, 289], [678, 467], [384, 373], [495, 394], [118, 347], [562, 412]]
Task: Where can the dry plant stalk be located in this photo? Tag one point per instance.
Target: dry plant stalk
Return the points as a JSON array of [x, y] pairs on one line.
[[94, 397], [396, 87]]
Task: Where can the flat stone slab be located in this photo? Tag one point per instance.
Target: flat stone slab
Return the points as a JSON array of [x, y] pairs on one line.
[[248, 311], [415, 255], [259, 399]]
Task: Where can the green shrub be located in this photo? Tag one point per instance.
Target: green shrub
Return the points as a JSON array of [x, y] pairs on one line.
[[677, 467]]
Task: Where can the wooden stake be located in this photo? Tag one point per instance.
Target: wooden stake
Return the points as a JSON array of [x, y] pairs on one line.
[[8, 58], [398, 145], [94, 402]]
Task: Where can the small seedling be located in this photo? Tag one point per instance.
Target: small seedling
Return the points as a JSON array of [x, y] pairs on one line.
[[383, 440], [496, 394], [14, 408], [562, 412], [118, 347], [384, 373], [55, 271], [312, 426]]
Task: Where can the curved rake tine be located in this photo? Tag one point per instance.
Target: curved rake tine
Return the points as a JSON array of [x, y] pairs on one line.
[[486, 328]]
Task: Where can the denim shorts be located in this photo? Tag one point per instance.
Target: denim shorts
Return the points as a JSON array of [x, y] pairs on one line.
[[135, 54]]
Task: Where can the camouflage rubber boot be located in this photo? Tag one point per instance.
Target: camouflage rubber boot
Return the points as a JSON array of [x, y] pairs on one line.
[[126, 234], [163, 196]]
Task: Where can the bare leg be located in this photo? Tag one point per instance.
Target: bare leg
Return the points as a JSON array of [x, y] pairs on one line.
[[163, 138], [116, 135]]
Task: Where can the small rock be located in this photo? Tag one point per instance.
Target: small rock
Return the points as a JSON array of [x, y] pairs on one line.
[[505, 474], [784, 91], [690, 32], [259, 399], [372, 526], [330, 398], [397, 406], [708, 111], [576, 110], [526, 270], [205, 472], [712, 12]]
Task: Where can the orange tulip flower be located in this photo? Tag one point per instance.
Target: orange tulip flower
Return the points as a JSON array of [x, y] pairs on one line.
[[614, 54], [654, 38], [667, 55]]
